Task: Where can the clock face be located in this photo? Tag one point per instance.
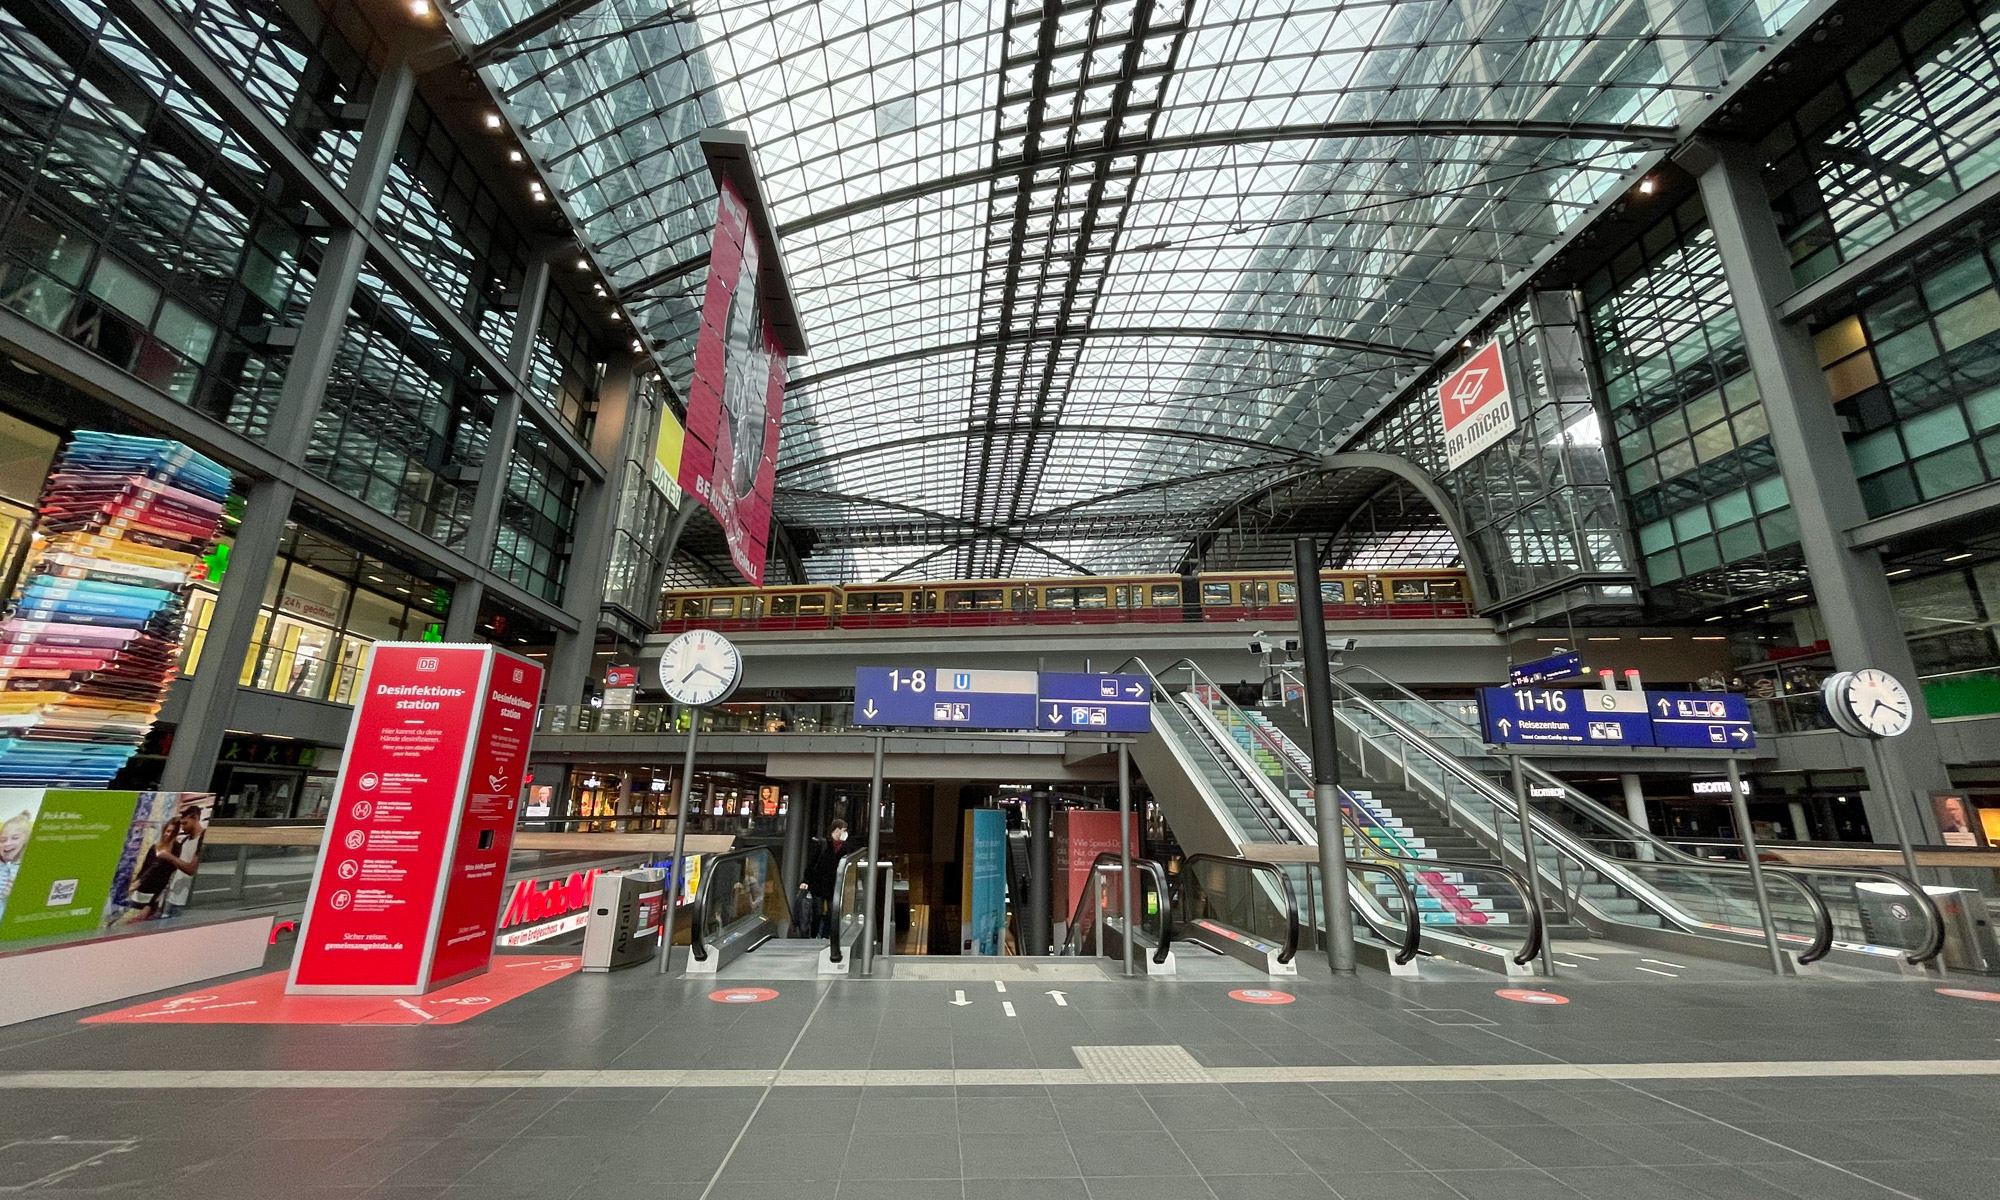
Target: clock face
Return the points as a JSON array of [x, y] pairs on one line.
[[1879, 703], [700, 667]]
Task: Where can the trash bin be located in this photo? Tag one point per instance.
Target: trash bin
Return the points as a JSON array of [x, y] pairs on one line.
[[626, 910]]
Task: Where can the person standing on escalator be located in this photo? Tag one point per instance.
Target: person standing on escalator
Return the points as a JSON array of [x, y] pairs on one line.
[[816, 888]]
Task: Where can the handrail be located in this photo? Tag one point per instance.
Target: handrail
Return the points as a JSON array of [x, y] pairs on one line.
[[833, 913], [703, 892], [1581, 851], [1226, 766], [1413, 925], [1533, 944], [1284, 890], [1108, 859]]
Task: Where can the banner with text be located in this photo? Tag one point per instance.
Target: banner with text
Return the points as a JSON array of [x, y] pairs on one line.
[[1476, 406]]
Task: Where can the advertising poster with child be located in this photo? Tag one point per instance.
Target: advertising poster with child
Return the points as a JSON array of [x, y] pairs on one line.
[[79, 861]]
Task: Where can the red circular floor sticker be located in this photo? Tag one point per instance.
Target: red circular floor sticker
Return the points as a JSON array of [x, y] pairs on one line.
[[1529, 996], [1968, 994], [1260, 996], [743, 995]]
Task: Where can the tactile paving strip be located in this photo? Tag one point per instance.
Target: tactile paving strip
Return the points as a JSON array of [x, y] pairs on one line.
[[1141, 1064]]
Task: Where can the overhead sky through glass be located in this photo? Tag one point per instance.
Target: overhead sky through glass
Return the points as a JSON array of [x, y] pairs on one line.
[[1079, 276]]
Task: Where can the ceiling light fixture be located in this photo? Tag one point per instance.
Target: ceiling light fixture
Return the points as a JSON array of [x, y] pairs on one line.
[[420, 8], [1959, 557], [1900, 571], [493, 120]]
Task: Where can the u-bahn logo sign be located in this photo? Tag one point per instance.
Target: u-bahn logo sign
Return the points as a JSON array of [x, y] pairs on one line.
[[1477, 408]]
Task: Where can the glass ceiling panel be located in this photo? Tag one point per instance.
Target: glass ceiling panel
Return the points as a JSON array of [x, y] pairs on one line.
[[1050, 254]]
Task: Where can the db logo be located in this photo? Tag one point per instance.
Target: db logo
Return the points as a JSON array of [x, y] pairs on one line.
[[370, 781], [519, 674], [465, 1000], [361, 810], [354, 839], [427, 664], [341, 899], [349, 869]]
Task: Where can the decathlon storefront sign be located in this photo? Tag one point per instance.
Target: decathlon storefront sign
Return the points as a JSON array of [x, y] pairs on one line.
[[1477, 407], [539, 909]]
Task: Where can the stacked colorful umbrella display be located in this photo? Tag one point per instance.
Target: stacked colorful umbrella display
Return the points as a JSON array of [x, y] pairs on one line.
[[90, 644]]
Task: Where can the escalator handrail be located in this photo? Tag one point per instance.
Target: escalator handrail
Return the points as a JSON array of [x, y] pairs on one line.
[[1284, 889], [833, 911], [1536, 921], [1581, 850], [1152, 868], [704, 893], [1413, 931], [1209, 750]]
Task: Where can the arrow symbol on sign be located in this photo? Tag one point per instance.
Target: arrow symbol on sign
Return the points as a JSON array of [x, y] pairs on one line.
[[959, 998], [1135, 690], [1055, 715], [1741, 735], [1505, 726], [870, 710], [1663, 707], [1061, 1002]]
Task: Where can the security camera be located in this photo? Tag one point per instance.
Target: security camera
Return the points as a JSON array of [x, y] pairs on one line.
[[1257, 647], [1339, 645], [1291, 645]]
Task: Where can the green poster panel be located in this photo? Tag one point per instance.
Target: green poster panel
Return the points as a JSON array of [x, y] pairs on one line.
[[64, 877]]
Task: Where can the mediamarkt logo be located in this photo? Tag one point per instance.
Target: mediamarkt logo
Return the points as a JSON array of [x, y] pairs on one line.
[[529, 904]]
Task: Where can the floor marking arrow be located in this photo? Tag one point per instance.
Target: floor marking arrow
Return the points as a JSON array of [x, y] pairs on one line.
[[1060, 1001], [959, 998]]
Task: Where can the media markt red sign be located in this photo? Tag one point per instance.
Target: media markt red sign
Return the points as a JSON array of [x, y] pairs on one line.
[[539, 909], [1477, 408], [407, 888]]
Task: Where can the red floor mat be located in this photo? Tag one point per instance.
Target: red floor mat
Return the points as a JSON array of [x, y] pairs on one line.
[[262, 1000]]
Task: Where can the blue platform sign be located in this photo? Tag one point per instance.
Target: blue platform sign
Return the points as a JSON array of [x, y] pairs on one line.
[[1701, 720], [944, 698], [1538, 716], [1567, 665], [1102, 703]]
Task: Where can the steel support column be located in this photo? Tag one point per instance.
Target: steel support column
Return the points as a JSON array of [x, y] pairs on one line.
[[1855, 605], [462, 623], [232, 627], [596, 525]]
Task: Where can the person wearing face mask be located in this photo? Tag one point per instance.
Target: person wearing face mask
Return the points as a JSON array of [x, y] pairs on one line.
[[815, 897]]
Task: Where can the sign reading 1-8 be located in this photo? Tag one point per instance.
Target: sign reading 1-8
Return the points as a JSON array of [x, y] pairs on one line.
[[909, 681]]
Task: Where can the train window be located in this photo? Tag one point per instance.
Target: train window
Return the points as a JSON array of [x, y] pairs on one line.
[[1447, 589], [812, 606], [1406, 589], [1022, 600], [690, 609], [1121, 597], [975, 600], [1216, 594], [1368, 591], [1166, 595], [1257, 592], [1092, 597], [1332, 592], [878, 602], [1288, 593], [722, 606], [1064, 597], [784, 606]]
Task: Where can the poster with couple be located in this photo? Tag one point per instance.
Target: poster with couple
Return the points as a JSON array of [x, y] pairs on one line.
[[82, 861]]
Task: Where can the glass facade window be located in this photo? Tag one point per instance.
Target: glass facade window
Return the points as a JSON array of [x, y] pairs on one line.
[[536, 516], [1910, 124], [325, 604], [1913, 363], [563, 372], [1713, 517]]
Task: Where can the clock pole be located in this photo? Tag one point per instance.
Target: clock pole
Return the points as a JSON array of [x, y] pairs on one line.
[[1896, 811], [677, 864]]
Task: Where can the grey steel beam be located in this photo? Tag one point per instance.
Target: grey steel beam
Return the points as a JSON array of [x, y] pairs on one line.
[[1091, 333], [1304, 457], [167, 37], [1651, 136], [462, 623], [65, 360], [1980, 504], [1941, 222], [619, 427], [1855, 604]]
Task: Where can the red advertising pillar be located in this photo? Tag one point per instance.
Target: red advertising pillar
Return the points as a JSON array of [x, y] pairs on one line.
[[407, 892]]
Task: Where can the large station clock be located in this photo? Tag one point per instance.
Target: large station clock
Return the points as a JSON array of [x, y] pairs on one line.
[[700, 668]]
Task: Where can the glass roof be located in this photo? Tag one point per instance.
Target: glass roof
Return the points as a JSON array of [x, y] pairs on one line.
[[1078, 276]]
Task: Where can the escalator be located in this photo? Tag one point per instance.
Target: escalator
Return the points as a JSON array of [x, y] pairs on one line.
[[1594, 867], [1228, 798], [1099, 927], [739, 905]]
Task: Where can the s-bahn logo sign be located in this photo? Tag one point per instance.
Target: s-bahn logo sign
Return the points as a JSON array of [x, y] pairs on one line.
[[1477, 408]]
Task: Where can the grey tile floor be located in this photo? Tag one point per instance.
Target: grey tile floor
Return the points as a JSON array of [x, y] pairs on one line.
[[1928, 1136]]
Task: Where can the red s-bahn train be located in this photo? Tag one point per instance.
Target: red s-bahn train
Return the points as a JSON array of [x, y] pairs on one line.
[[1098, 599]]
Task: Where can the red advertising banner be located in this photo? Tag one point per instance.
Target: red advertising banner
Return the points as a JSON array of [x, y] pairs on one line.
[[1475, 405], [730, 458], [416, 846], [1081, 834]]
